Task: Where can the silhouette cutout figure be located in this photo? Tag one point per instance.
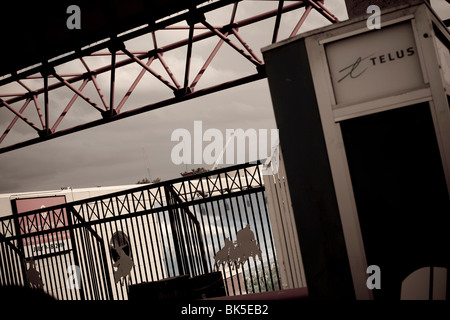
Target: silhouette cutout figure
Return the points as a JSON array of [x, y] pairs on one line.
[[33, 276], [223, 255], [238, 253], [124, 265]]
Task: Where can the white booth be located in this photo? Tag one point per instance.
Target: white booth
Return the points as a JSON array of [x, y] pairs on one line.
[[364, 123]]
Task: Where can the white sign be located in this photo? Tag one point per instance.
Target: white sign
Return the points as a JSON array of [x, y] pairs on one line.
[[53, 242], [374, 64]]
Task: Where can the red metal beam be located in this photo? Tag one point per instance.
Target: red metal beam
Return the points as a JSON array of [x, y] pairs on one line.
[[94, 81], [13, 122], [206, 64], [133, 86], [78, 92], [126, 114], [300, 22], [69, 105], [19, 114]]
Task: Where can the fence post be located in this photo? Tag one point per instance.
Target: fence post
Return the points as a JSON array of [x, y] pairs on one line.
[[202, 246], [69, 209], [174, 226], [283, 228]]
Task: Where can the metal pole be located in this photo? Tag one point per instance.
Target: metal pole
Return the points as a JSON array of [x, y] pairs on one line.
[[69, 213], [174, 226]]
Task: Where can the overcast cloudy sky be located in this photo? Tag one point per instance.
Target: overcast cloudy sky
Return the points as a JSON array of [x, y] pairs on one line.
[[112, 154]]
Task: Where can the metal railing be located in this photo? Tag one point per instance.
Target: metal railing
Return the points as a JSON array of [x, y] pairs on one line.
[[95, 248]]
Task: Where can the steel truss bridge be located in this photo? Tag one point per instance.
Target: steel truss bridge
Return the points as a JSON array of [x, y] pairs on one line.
[[36, 63]]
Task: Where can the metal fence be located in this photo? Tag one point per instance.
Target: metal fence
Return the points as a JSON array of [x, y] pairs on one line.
[[96, 248]]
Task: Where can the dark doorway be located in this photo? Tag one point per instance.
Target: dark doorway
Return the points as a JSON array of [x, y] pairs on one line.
[[400, 192]]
